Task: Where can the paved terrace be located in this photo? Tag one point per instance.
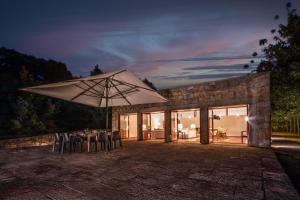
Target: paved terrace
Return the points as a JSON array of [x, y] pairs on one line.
[[145, 170]]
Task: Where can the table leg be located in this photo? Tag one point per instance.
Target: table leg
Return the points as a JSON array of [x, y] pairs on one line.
[[88, 144]]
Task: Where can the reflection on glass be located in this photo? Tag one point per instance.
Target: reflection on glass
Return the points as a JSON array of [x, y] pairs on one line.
[[128, 126], [153, 125], [228, 124], [185, 124]]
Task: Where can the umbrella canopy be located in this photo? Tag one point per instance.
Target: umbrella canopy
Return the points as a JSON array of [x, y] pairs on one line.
[[118, 88]]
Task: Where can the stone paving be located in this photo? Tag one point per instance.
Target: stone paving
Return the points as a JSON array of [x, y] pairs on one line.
[[145, 170]]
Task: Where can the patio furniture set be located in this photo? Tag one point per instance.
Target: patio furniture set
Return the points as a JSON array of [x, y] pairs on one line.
[[218, 133], [76, 141]]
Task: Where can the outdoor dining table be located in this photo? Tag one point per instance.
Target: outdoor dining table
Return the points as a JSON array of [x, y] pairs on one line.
[[88, 136]]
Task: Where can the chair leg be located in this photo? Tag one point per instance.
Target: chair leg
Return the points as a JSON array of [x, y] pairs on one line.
[[53, 149], [96, 146], [70, 147], [62, 147]]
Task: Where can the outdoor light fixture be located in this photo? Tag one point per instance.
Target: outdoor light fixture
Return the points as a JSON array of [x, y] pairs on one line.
[[193, 126], [180, 127], [246, 118]]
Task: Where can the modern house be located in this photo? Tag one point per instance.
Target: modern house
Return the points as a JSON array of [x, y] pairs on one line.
[[235, 110]]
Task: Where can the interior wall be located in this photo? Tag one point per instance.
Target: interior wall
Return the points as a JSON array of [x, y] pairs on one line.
[[132, 125], [233, 124], [186, 118], [123, 126], [157, 125]]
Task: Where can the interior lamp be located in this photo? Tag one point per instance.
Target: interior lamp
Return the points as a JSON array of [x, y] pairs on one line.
[[180, 127], [193, 126], [144, 127]]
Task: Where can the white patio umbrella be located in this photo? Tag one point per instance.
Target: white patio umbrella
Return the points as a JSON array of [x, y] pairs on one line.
[[117, 88]]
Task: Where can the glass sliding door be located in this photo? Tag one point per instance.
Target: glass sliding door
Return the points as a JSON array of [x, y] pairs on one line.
[[229, 124], [153, 125], [146, 126], [185, 124], [128, 126]]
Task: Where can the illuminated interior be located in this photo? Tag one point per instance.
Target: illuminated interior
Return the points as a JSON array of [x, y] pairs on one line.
[[185, 124], [228, 124], [153, 125], [128, 126]]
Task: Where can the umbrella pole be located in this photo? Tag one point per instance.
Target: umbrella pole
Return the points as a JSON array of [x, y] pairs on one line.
[[106, 135], [106, 105]]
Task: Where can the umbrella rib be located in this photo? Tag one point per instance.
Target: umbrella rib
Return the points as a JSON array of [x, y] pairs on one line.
[[89, 88], [91, 95], [120, 92], [129, 84], [84, 89], [93, 88], [101, 96], [124, 92], [101, 87]]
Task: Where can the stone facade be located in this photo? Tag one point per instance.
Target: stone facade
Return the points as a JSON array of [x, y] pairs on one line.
[[252, 89]]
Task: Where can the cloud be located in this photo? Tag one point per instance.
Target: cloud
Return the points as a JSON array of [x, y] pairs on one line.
[[209, 76], [236, 67]]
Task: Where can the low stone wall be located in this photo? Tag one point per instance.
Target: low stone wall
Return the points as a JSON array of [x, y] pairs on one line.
[[40, 140]]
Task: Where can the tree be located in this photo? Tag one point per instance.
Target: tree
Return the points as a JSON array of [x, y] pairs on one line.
[[96, 71], [282, 59], [27, 114], [149, 83]]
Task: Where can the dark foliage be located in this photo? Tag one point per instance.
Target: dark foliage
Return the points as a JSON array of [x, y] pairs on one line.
[[96, 71], [26, 114], [149, 83], [282, 59]]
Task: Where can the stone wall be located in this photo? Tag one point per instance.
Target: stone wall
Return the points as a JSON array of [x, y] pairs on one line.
[[24, 142], [252, 89]]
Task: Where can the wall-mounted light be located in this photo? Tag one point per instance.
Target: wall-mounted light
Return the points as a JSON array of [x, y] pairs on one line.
[[246, 118]]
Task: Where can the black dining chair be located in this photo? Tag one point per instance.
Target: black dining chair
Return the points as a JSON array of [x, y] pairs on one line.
[[92, 141], [57, 142], [66, 143], [102, 140], [115, 138], [77, 142]]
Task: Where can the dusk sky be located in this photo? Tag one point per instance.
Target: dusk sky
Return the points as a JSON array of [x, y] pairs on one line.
[[172, 43]]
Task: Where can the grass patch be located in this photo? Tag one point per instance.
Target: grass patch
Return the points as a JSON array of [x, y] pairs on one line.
[[292, 137], [285, 134]]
